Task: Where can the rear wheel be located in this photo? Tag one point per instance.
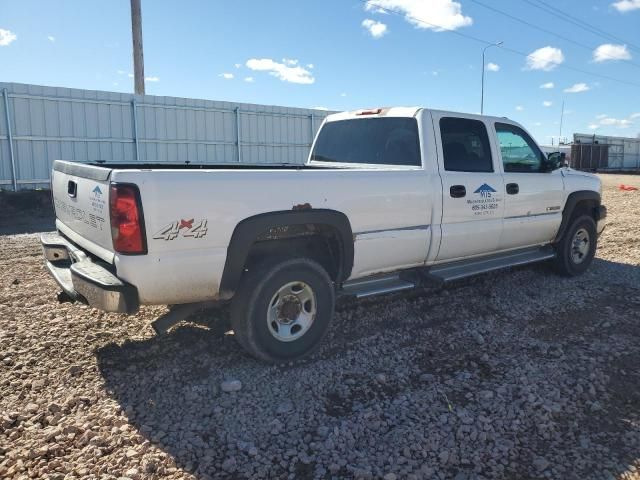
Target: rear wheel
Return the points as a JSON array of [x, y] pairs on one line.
[[577, 247], [283, 309]]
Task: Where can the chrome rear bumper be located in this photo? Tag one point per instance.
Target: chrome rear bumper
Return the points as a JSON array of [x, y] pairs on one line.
[[84, 280]]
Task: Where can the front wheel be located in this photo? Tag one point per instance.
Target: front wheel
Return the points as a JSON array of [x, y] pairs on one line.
[[283, 309], [577, 247]]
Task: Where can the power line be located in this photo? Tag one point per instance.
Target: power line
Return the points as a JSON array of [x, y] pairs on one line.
[[551, 32], [557, 13], [487, 42], [588, 25]]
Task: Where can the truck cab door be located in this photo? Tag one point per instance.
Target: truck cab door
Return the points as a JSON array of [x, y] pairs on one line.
[[472, 187], [534, 195]]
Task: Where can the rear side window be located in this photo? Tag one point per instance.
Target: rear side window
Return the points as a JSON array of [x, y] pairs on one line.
[[380, 141], [465, 145]]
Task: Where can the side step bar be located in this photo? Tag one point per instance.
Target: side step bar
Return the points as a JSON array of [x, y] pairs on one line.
[[467, 268], [370, 286]]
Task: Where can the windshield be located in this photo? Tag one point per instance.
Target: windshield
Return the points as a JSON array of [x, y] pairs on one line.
[[380, 141]]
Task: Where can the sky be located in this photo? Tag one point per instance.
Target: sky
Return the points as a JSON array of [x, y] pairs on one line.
[[349, 54]]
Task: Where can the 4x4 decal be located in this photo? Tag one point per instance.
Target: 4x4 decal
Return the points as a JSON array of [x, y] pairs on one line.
[[182, 228]]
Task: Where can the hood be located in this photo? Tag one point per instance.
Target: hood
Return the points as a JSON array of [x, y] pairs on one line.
[[577, 180]]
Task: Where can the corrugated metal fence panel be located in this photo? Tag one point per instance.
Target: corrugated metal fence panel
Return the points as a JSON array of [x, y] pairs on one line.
[[624, 153], [50, 123]]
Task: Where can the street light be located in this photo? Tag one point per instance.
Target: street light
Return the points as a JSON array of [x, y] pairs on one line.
[[497, 44]]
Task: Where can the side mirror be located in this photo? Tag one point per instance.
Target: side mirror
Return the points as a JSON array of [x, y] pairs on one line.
[[554, 161]]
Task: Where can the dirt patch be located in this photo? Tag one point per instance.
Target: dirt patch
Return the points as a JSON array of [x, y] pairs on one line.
[[26, 212]]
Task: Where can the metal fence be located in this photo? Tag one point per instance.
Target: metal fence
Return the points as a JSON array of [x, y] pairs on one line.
[[589, 156], [623, 153], [41, 124]]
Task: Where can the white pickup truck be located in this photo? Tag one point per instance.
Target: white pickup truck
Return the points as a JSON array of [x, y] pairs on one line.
[[389, 198]]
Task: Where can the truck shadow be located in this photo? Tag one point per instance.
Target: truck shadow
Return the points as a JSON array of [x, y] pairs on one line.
[[169, 386]]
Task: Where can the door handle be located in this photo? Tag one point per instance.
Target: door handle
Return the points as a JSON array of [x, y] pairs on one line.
[[72, 189], [457, 191], [512, 188]]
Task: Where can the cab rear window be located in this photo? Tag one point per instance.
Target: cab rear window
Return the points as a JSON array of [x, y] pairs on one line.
[[379, 141]]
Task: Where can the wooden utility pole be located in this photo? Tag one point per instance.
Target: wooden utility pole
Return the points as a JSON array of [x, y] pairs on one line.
[[138, 55]]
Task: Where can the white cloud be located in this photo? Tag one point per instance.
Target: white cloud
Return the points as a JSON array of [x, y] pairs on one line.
[[310, 66], [537, 124], [604, 120], [343, 94], [289, 71], [289, 61], [577, 88], [226, 76], [519, 108], [626, 5], [547, 103], [545, 58], [615, 122], [237, 65], [437, 15], [151, 78], [320, 108], [493, 67], [6, 37], [249, 79], [609, 52], [51, 38], [376, 29], [547, 85]]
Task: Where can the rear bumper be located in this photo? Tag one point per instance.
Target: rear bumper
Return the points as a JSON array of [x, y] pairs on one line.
[[601, 218], [84, 280]]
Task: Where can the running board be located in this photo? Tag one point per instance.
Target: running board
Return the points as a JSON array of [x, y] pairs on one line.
[[467, 268], [374, 286]]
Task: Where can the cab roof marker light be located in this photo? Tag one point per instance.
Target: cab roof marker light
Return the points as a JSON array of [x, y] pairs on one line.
[[370, 111]]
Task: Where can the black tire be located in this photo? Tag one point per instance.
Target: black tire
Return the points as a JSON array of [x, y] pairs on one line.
[[569, 261], [252, 302]]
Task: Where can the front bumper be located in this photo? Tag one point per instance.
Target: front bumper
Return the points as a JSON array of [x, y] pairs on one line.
[[85, 280], [601, 218]]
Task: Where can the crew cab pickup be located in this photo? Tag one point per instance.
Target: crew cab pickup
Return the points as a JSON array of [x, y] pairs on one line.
[[389, 198]]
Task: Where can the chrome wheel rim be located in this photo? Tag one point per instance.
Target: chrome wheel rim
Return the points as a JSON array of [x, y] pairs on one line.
[[291, 311], [580, 246]]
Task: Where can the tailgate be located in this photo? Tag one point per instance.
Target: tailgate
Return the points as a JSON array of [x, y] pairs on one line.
[[81, 200]]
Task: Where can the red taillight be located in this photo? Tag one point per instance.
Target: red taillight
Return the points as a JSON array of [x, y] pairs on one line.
[[126, 219]]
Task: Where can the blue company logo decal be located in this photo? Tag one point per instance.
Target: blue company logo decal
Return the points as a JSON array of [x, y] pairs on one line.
[[97, 190], [485, 190]]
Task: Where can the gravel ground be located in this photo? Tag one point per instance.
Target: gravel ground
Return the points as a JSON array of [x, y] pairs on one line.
[[517, 374]]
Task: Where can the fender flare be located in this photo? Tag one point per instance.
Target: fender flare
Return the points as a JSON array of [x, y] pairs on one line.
[[251, 228], [574, 199]]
